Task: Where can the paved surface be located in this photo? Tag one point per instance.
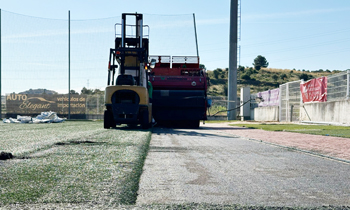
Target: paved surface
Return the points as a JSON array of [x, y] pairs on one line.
[[209, 165], [327, 145]]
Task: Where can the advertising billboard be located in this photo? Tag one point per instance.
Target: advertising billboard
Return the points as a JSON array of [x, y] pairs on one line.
[[36, 103], [270, 97]]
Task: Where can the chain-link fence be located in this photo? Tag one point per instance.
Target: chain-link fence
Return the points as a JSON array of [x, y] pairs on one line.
[[218, 106], [95, 106], [290, 95], [337, 85], [290, 101], [34, 61], [35, 54]]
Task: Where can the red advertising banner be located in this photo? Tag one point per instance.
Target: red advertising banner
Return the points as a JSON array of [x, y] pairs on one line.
[[314, 90]]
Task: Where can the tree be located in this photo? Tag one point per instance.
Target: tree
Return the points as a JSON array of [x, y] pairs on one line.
[[73, 92], [260, 61], [98, 92], [86, 91]]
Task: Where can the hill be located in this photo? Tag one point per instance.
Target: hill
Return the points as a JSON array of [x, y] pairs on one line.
[[264, 79], [38, 91]]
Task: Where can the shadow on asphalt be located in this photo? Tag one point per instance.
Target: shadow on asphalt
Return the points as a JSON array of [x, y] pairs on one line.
[[130, 128], [225, 128], [200, 132]]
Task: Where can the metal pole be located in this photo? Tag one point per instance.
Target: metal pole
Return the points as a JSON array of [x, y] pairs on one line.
[[280, 103], [347, 84], [69, 64], [97, 104], [239, 55], [195, 33], [232, 75], [0, 71], [307, 113], [287, 101]]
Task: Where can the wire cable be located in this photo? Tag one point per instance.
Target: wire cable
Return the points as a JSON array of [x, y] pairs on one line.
[[227, 110]]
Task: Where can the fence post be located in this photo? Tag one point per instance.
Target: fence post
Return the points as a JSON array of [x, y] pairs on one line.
[[287, 100], [301, 99], [347, 83], [280, 104], [86, 108], [97, 104]]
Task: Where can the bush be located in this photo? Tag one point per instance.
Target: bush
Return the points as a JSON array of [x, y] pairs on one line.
[[283, 76], [245, 76], [216, 74], [275, 77], [240, 69], [305, 77]]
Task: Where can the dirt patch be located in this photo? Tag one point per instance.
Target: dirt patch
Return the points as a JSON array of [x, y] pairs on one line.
[[78, 142]]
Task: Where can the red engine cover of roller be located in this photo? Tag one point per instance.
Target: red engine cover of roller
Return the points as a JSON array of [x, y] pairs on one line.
[[178, 79], [178, 82]]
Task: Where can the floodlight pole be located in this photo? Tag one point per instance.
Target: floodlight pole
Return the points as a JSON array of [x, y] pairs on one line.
[[232, 74], [69, 64]]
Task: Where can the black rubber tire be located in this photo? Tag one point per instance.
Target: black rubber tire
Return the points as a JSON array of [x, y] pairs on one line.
[[106, 123], [145, 120], [108, 120], [194, 124], [132, 126]]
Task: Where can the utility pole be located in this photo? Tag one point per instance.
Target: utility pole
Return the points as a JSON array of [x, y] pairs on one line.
[[232, 74]]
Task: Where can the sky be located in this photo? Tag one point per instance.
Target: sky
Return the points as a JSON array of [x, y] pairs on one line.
[[299, 34]]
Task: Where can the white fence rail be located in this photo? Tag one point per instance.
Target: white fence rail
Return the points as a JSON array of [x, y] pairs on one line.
[[338, 86], [290, 100]]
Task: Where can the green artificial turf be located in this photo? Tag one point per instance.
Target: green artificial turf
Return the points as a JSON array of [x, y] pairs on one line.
[[72, 162]]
